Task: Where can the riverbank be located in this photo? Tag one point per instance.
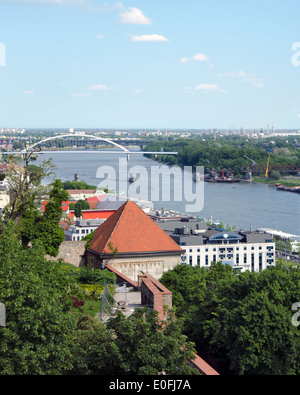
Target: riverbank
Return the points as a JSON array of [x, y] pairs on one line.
[[288, 182]]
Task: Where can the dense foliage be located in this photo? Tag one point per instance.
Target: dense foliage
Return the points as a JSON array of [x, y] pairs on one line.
[[228, 153], [39, 331], [48, 330], [77, 185], [140, 344], [240, 323], [44, 226]]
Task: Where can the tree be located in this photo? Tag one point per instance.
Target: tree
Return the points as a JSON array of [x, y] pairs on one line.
[[149, 346], [95, 351], [78, 210], [50, 233], [77, 185], [45, 227], [80, 205], [39, 332], [25, 186], [243, 323]]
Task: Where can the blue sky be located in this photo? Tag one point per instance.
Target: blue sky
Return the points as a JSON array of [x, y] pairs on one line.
[[149, 64]]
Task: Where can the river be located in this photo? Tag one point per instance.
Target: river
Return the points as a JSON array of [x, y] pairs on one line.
[[244, 205]]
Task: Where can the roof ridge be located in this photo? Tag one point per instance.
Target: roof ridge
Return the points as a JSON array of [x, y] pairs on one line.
[[131, 230], [122, 209]]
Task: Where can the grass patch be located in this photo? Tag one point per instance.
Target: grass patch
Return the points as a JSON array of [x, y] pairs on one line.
[[288, 182]]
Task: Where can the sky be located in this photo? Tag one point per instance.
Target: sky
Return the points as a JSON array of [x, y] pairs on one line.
[[141, 64]]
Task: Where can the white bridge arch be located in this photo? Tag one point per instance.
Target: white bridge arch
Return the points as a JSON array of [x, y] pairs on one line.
[[31, 147]]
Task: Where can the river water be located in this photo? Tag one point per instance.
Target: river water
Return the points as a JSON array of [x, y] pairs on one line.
[[244, 205]]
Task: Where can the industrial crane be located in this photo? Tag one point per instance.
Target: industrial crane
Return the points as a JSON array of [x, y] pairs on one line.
[[267, 170], [253, 163]]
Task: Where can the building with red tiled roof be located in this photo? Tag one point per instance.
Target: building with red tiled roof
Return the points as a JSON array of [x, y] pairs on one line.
[[134, 244]]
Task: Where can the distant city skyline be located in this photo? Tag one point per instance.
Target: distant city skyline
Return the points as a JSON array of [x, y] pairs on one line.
[[149, 64]]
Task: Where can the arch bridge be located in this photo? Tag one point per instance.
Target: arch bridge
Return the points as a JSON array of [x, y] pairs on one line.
[[31, 147], [73, 136]]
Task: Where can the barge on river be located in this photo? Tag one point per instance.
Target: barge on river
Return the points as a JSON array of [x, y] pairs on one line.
[[281, 187]]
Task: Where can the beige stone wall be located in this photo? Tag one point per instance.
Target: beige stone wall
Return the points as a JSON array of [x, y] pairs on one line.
[[156, 266], [71, 252]]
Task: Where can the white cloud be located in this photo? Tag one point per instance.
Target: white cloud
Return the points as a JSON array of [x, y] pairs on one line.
[[100, 36], [235, 74], [29, 92], [184, 60], [149, 38], [136, 91], [255, 81], [101, 87], [206, 87], [98, 87], [134, 16], [199, 57]]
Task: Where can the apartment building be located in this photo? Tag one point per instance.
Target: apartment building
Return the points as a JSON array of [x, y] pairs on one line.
[[82, 228], [202, 245]]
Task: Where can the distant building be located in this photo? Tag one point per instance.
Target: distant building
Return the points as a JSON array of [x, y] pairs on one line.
[[133, 244], [81, 194], [82, 228], [253, 251]]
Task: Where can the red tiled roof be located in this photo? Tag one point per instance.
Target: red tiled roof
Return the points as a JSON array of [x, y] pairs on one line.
[[130, 230]]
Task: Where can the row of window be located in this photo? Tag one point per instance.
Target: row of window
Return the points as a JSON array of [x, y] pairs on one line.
[[84, 231], [230, 257], [229, 250]]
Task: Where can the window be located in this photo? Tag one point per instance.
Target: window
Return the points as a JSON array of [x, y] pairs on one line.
[[237, 259], [198, 250], [260, 262], [198, 260], [214, 258], [206, 260], [191, 260], [245, 258]]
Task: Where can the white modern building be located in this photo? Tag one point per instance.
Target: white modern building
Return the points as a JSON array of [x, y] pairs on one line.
[[202, 245], [82, 228]]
